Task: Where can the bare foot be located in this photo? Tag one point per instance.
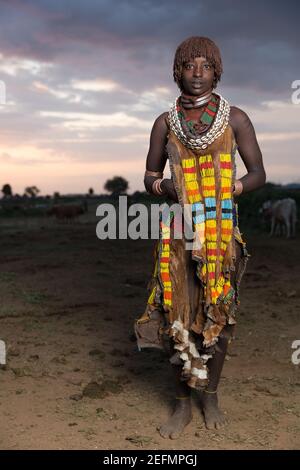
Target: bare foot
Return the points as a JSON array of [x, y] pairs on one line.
[[213, 416], [180, 418]]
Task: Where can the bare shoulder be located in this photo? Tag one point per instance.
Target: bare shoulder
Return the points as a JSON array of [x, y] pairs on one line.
[[161, 124], [238, 119]]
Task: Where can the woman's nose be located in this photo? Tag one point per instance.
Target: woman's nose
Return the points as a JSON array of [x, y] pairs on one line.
[[198, 71]]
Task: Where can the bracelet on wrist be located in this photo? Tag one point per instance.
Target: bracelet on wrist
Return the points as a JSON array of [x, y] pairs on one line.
[[156, 187]]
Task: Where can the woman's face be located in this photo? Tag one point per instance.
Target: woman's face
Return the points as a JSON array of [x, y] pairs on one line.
[[197, 77]]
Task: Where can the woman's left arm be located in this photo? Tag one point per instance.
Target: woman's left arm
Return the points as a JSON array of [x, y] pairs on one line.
[[248, 149]]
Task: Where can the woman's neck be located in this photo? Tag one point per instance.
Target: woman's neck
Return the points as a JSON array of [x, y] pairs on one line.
[[193, 102]]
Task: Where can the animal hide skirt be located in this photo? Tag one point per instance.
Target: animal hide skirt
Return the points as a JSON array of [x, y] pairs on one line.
[[177, 316]]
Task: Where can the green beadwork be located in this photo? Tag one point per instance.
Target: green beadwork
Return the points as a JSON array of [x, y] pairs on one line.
[[206, 118]]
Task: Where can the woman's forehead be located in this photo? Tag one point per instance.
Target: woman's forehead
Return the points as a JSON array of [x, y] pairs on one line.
[[197, 59]]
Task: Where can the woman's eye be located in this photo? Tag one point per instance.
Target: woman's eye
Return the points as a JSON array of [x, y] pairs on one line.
[[207, 66], [189, 66]]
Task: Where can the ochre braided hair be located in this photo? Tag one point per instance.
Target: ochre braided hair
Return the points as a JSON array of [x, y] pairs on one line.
[[197, 46]]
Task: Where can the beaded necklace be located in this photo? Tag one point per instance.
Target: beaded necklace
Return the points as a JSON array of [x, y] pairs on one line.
[[214, 121], [205, 120]]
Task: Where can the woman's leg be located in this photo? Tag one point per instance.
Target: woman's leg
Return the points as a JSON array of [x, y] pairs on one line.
[[182, 413], [214, 418]]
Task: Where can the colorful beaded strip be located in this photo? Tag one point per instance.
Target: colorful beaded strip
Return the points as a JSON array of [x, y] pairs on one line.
[[164, 260], [205, 215], [209, 193], [194, 198]]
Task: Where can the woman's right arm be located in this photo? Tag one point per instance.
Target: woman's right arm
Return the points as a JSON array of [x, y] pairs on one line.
[[157, 157]]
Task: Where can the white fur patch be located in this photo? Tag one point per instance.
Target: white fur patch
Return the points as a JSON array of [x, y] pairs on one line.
[[200, 373]]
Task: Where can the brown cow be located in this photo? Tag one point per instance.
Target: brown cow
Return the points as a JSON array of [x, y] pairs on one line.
[[66, 212]]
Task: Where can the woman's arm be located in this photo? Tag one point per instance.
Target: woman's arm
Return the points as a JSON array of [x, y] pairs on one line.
[[248, 149], [156, 158]]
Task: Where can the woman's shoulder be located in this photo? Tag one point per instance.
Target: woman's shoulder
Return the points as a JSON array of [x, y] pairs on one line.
[[162, 119], [238, 118], [161, 123]]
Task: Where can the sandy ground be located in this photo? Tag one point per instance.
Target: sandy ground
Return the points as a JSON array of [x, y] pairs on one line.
[[74, 378]]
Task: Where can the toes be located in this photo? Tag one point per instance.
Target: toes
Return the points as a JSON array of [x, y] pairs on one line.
[[222, 420], [215, 422], [164, 432], [210, 424]]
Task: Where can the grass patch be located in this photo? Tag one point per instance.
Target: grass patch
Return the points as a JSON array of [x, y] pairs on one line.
[[7, 276], [34, 297]]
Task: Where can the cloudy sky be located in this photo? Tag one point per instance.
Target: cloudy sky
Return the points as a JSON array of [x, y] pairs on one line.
[[86, 79]]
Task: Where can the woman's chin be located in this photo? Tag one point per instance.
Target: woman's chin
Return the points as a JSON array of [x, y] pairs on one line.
[[197, 91]]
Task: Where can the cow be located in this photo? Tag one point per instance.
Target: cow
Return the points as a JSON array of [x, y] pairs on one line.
[[283, 215], [66, 212]]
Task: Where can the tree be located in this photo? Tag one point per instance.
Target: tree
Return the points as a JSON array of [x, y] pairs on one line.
[[6, 190], [116, 186], [91, 192], [31, 191]]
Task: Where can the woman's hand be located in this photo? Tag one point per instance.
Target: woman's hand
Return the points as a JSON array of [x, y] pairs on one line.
[[168, 188]]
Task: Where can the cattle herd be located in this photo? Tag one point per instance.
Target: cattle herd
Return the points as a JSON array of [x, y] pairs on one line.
[[281, 213]]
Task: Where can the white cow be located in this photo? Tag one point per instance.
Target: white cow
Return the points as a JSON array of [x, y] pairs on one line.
[[283, 214]]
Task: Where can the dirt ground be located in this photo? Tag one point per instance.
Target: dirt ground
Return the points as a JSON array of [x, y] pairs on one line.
[[74, 378]]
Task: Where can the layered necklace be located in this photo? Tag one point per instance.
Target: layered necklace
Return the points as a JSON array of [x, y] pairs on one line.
[[191, 103], [214, 120]]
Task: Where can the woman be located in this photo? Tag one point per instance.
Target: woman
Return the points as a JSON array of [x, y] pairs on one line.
[[195, 292]]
